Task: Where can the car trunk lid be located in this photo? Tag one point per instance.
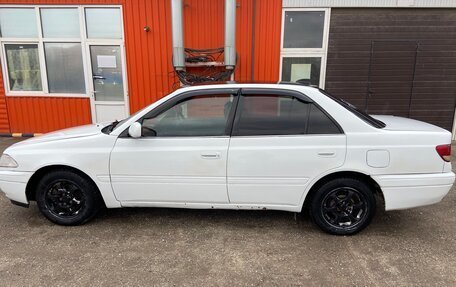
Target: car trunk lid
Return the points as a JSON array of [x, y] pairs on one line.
[[394, 123]]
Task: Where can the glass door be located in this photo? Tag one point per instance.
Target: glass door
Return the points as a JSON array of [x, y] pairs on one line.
[[107, 82]]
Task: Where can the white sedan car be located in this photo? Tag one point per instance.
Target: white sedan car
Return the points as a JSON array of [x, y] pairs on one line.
[[236, 146]]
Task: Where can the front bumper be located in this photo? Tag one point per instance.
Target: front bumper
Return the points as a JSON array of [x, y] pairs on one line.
[[413, 190], [13, 184]]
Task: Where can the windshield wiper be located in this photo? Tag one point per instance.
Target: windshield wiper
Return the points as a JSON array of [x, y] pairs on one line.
[[114, 124], [109, 128]]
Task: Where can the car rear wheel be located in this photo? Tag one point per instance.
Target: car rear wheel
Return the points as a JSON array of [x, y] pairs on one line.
[[67, 198], [343, 206]]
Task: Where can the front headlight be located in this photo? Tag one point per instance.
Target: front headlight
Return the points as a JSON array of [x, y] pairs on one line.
[[7, 161]]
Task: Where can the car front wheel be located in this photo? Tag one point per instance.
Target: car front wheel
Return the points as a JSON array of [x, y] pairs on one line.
[[343, 206], [67, 198]]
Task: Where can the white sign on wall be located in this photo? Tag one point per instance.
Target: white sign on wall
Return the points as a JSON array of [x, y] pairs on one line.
[[106, 61]]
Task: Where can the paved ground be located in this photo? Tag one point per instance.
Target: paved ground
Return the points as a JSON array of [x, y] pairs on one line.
[[193, 247]]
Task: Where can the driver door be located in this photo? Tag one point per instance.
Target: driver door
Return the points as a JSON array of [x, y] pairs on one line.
[[182, 154]]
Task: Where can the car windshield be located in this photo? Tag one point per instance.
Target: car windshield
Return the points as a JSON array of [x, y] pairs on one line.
[[359, 113]]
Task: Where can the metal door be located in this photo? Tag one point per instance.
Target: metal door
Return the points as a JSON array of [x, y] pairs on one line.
[[391, 77], [107, 83]]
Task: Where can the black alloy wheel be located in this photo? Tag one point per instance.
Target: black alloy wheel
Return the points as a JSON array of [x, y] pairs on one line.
[[64, 198], [67, 198], [343, 206]]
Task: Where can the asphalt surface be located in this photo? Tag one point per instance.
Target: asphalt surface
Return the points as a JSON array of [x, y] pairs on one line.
[[168, 247]]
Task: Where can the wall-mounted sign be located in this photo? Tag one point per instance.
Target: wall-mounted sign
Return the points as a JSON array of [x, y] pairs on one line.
[[106, 61]]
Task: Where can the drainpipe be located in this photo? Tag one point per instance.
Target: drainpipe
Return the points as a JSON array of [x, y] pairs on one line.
[[230, 34], [177, 16], [178, 34]]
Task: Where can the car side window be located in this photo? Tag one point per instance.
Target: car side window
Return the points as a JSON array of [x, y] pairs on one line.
[[280, 115], [195, 116], [271, 115], [320, 123]]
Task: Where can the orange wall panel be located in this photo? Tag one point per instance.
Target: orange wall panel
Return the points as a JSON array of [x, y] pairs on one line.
[[43, 114], [204, 24], [244, 40], [4, 120], [266, 54], [258, 28], [149, 54]]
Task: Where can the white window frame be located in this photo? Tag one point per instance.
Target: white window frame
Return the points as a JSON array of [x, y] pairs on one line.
[[40, 41], [307, 52]]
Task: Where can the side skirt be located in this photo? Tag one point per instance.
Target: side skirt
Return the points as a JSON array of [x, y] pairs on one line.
[[26, 205], [234, 206]]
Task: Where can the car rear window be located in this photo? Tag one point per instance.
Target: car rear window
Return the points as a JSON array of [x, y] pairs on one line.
[[359, 113]]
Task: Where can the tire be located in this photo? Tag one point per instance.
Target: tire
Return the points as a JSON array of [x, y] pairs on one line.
[[67, 198], [343, 206]]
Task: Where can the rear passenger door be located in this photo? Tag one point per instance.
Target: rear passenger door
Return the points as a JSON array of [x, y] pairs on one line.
[[280, 141]]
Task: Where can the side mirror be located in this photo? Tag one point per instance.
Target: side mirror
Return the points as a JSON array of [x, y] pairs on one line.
[[135, 130]]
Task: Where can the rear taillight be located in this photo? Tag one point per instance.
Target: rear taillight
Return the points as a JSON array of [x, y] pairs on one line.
[[444, 151]]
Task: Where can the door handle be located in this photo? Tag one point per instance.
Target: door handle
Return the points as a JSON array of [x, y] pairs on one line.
[[213, 155], [326, 153], [97, 77]]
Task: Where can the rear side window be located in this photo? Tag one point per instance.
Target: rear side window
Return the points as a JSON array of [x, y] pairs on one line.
[[280, 115], [320, 123]]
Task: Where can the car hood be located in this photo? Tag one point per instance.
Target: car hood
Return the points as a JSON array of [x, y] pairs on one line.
[[394, 123], [76, 132]]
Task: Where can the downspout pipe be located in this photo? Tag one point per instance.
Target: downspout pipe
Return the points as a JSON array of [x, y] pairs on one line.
[[177, 27], [230, 34]]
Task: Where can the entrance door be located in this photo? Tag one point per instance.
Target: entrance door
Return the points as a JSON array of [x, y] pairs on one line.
[[108, 83]]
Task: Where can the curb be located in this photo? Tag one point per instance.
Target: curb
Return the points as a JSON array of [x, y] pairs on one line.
[[19, 135]]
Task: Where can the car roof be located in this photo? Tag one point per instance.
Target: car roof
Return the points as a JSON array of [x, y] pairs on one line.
[[287, 86]]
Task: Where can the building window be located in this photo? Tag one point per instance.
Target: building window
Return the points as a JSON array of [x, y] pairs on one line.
[[23, 67], [303, 29], [60, 23], [304, 45], [18, 23], [103, 23], [301, 68], [45, 49], [65, 72]]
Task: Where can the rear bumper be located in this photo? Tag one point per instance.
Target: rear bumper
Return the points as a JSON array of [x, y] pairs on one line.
[[413, 190], [13, 184]]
